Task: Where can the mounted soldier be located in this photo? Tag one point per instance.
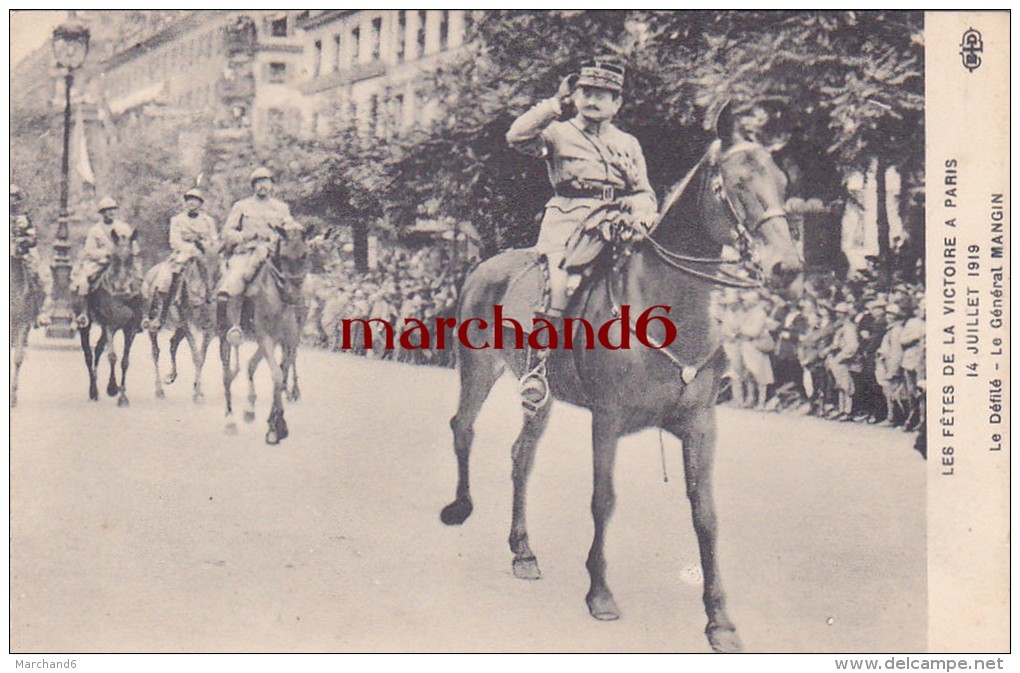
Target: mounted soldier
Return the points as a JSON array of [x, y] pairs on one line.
[[250, 234], [599, 176], [192, 235], [101, 242], [24, 238]]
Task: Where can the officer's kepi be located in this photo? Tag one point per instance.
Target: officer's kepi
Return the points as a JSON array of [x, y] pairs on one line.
[[602, 74]]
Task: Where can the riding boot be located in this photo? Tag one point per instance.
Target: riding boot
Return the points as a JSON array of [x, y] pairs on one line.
[[169, 298]]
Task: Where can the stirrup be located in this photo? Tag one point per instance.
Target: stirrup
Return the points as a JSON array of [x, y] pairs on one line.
[[534, 389], [234, 336]]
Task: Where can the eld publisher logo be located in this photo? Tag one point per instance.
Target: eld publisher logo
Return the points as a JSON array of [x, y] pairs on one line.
[[971, 47]]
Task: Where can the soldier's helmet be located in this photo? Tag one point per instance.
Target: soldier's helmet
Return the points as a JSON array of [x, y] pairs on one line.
[[106, 203], [602, 73], [261, 173], [194, 193]]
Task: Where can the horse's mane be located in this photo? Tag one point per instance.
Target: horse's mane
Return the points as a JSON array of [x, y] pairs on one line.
[[695, 178]]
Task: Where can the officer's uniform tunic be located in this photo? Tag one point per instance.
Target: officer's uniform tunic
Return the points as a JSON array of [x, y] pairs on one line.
[[251, 229], [96, 252], [580, 159], [187, 233]]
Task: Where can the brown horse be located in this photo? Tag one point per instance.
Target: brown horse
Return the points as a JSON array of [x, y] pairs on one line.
[[191, 317], [115, 304], [272, 305], [27, 298], [735, 195]]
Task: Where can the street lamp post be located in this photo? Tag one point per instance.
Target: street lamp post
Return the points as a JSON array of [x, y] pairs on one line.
[[70, 46]]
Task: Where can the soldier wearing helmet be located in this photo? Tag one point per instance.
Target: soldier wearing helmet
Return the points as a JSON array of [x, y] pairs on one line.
[[99, 245], [249, 234], [192, 235], [24, 238]]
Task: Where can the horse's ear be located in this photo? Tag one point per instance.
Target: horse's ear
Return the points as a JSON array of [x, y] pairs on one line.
[[725, 123]]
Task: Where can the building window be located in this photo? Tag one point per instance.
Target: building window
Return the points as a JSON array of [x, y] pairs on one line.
[[444, 29], [422, 17], [376, 38], [356, 44], [277, 73], [317, 65], [401, 35], [373, 115], [278, 28], [337, 44]]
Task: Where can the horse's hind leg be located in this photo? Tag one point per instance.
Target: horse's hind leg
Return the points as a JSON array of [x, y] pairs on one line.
[[478, 372], [605, 436], [129, 337], [111, 387], [175, 343], [253, 364], [525, 564], [290, 365], [277, 431], [154, 341], [698, 433]]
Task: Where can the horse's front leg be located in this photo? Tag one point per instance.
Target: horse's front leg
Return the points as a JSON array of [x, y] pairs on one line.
[[253, 365], [290, 365], [199, 358], [175, 342], [605, 436], [86, 348], [228, 380], [154, 342], [698, 433], [525, 564], [277, 431]]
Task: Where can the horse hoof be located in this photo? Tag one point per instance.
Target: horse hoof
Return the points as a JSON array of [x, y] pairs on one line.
[[112, 391], [527, 568], [249, 417], [294, 395], [94, 395], [231, 428], [170, 379], [724, 639], [456, 512], [602, 606], [123, 402], [199, 398]]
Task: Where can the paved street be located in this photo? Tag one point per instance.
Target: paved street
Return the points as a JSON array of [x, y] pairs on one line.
[[148, 529]]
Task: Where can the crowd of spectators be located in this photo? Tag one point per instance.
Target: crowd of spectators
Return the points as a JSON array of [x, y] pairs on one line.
[[843, 350], [418, 284]]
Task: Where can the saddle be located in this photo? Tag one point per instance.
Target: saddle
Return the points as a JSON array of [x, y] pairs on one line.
[[527, 293]]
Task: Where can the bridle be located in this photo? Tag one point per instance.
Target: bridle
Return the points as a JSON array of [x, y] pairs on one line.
[[745, 232]]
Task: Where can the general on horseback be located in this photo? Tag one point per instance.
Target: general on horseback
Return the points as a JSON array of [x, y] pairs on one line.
[[265, 266], [599, 179], [603, 219]]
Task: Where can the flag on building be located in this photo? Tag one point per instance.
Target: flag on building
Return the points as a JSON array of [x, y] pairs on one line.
[[80, 153]]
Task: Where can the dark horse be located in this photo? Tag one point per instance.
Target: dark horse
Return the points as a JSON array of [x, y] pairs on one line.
[[115, 304], [735, 195], [272, 305], [26, 301], [191, 316]]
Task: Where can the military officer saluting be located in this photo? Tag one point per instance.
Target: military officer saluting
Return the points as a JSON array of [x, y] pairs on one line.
[[249, 235], [591, 163], [99, 246], [192, 234]]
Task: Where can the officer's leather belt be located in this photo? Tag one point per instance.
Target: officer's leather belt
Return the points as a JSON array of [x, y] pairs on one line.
[[603, 192]]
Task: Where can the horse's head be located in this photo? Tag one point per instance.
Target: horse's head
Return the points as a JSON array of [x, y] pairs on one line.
[[734, 197], [291, 248], [753, 190], [119, 276]]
